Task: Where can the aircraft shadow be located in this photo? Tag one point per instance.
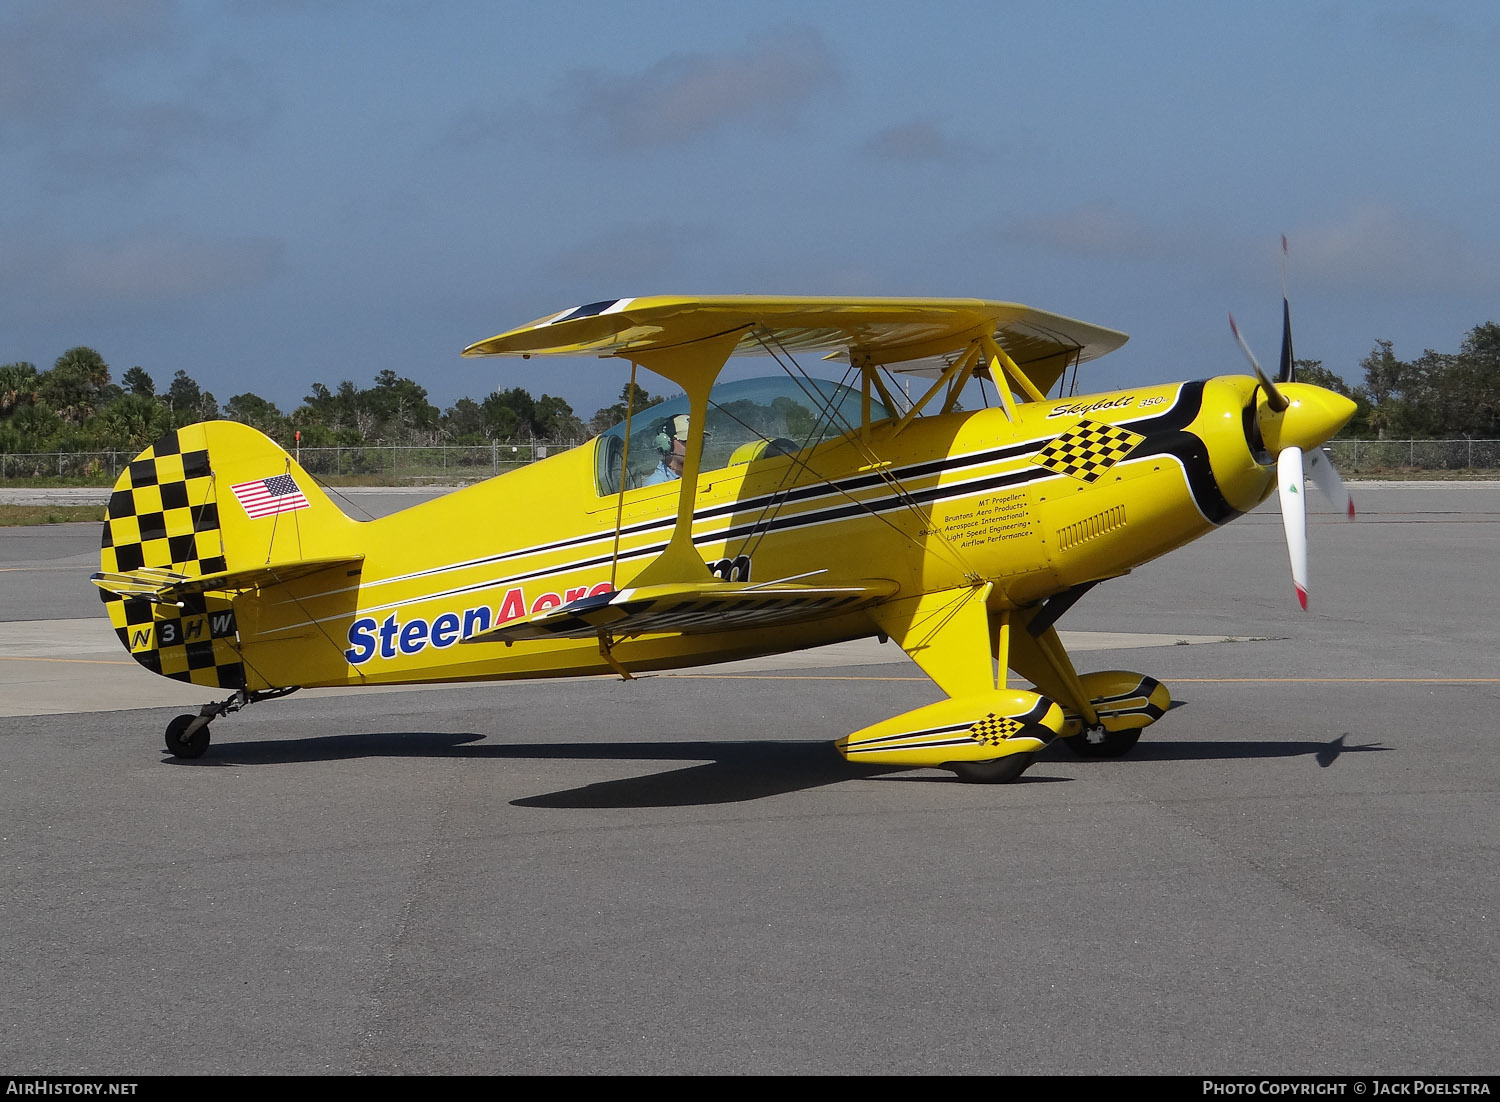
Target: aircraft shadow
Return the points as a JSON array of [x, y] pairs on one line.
[[722, 773]]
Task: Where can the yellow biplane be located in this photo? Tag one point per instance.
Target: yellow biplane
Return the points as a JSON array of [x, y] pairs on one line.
[[739, 519]]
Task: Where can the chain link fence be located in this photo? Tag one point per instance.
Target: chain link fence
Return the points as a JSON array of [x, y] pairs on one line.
[[456, 463], [1375, 457], [442, 463], [99, 467]]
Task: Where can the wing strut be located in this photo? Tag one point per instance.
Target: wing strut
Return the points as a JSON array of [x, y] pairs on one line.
[[1009, 370], [1039, 656], [947, 378], [1007, 376], [614, 561], [871, 373], [694, 367]]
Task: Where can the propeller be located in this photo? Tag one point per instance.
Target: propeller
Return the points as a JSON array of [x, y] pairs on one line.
[[1294, 419], [1326, 478], [1288, 372], [1290, 489], [1274, 398]]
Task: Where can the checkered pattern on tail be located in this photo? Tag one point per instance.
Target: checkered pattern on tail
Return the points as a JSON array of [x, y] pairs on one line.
[[1087, 450], [164, 513]]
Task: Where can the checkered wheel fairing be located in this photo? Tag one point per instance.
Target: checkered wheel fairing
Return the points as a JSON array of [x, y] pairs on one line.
[[992, 730], [164, 514]]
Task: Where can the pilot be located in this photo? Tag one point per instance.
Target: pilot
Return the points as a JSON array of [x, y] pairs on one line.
[[671, 442]]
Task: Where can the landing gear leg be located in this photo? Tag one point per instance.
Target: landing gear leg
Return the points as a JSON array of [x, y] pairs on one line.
[[187, 735], [1096, 742]]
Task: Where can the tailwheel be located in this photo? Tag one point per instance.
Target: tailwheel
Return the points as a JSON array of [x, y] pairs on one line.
[[180, 743], [1099, 743], [997, 771], [187, 735]]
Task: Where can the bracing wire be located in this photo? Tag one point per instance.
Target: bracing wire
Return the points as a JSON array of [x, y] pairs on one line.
[[830, 408]]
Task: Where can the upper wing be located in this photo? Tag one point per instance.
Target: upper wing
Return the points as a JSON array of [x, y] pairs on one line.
[[689, 607], [908, 334]]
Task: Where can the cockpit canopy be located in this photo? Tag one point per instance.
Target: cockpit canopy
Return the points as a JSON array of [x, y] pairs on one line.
[[747, 420]]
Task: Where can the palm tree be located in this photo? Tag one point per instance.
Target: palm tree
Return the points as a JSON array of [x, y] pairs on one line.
[[18, 387]]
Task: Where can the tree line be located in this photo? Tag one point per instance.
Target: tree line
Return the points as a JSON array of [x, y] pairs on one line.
[[75, 406], [1437, 396]]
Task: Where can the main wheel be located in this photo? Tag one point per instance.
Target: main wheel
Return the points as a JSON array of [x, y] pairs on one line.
[[191, 746], [1109, 744], [998, 771]]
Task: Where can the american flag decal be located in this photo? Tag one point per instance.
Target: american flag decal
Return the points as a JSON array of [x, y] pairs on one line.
[[265, 497]]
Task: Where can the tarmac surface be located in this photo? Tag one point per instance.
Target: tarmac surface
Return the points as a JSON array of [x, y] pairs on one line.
[[1294, 873]]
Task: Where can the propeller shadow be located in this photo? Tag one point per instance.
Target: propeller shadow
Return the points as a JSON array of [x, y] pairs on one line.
[[1324, 753]]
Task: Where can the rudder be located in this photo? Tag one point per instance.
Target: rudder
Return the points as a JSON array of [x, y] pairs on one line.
[[207, 499]]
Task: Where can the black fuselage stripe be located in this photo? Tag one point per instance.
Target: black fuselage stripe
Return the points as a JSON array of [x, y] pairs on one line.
[[1172, 420], [778, 499], [1165, 435]]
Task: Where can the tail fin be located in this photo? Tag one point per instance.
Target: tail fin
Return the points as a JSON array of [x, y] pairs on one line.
[[204, 512]]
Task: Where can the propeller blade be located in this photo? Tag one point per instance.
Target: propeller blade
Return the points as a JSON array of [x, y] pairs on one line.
[[1274, 398], [1288, 371], [1326, 478], [1294, 515]]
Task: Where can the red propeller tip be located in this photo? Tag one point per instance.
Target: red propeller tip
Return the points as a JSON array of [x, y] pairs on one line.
[[1351, 508], [1301, 597]]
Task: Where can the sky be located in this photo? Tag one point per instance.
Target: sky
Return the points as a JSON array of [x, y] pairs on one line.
[[271, 193]]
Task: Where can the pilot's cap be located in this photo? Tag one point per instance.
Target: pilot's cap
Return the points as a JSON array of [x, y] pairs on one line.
[[679, 428]]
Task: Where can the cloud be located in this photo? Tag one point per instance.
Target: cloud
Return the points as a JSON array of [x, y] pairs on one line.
[[151, 267], [1381, 247], [1095, 230], [764, 86], [1369, 246], [633, 255], [921, 141], [108, 92], [54, 56], [1423, 26]]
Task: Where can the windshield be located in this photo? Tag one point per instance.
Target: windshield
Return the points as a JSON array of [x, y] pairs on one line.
[[747, 420]]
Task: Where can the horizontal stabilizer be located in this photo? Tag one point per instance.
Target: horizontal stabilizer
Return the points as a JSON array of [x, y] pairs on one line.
[[168, 587], [689, 608]]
